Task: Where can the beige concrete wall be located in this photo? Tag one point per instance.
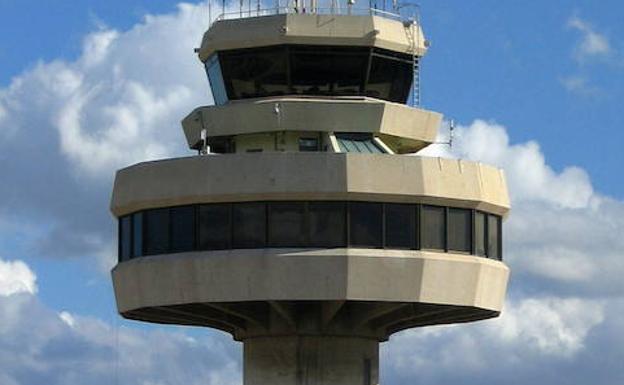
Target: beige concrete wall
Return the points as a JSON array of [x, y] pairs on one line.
[[310, 360], [405, 129], [309, 176], [312, 29], [311, 275]]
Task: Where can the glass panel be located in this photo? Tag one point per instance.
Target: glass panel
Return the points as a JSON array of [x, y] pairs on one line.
[[365, 224], [249, 225], [480, 233], [255, 72], [213, 69], [125, 238], [389, 78], [214, 227], [400, 226], [287, 224], [433, 227], [308, 144], [327, 224], [182, 229], [494, 239], [137, 234], [156, 231], [459, 236], [328, 71], [356, 142]]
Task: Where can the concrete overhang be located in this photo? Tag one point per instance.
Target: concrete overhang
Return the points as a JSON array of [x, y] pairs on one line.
[[372, 275], [405, 129], [313, 29], [309, 176]]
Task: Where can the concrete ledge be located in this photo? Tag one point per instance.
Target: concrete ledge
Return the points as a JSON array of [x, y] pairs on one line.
[[370, 275], [335, 30], [405, 129], [309, 176]]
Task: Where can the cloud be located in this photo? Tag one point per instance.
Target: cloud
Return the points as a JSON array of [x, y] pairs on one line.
[[40, 345], [580, 85], [592, 43], [15, 278], [66, 126]]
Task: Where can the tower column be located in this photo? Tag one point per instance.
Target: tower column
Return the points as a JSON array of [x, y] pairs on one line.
[[311, 360]]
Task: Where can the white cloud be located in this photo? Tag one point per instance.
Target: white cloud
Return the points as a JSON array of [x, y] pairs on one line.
[[579, 85], [16, 277], [592, 43]]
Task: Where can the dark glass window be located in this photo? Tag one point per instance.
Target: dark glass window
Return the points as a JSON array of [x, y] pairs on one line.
[[459, 230], [248, 225], [400, 226], [254, 73], [182, 229], [480, 233], [156, 231], [125, 238], [214, 227], [365, 224], [328, 70], [287, 224], [390, 78], [493, 235], [327, 224], [433, 227], [213, 69], [137, 234], [308, 144]]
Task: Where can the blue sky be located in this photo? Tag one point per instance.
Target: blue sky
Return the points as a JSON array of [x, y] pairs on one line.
[[87, 87]]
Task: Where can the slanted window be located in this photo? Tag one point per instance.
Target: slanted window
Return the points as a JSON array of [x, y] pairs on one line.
[[249, 225], [213, 69], [156, 231], [287, 224], [459, 230], [390, 76], [400, 226], [365, 224], [125, 238], [327, 224], [215, 227], [494, 238], [182, 229], [433, 227], [358, 142]]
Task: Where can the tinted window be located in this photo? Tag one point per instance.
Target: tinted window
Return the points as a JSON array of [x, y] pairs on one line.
[[249, 225], [308, 144], [365, 224], [254, 72], [433, 227], [214, 227], [400, 226], [137, 234], [460, 235], [389, 78], [156, 231], [327, 224], [125, 238], [213, 69], [182, 229], [494, 239], [480, 233], [287, 224]]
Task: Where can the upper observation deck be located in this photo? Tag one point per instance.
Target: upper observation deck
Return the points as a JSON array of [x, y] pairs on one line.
[[313, 51]]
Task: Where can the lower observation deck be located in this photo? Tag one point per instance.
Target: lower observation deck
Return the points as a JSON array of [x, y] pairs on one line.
[[257, 292]]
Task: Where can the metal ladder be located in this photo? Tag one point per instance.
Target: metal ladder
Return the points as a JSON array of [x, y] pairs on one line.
[[415, 44]]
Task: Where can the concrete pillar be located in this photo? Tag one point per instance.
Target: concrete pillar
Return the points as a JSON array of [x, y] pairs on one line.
[[311, 360]]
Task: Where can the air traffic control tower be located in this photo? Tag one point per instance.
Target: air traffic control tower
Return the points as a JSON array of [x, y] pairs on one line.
[[306, 227]]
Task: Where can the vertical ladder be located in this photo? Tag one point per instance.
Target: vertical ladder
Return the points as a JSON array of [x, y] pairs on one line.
[[415, 43]]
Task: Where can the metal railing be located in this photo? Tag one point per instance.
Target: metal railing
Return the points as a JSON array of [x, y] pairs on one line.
[[400, 12]]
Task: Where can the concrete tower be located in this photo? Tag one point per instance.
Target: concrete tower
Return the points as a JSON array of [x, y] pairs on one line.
[[303, 227]]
